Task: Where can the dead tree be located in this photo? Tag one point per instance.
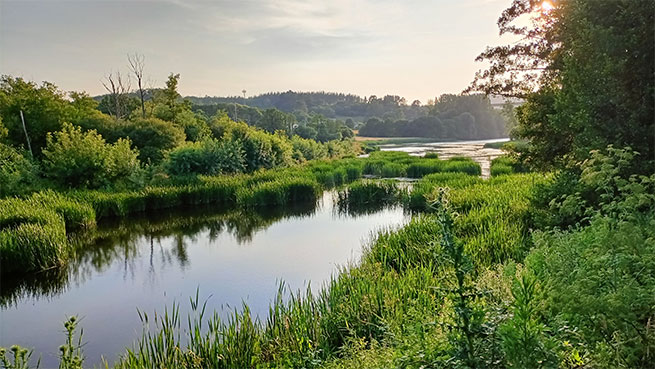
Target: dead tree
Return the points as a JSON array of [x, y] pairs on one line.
[[137, 64], [118, 87]]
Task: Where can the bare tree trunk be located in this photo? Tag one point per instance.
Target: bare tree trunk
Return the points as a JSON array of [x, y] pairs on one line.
[[118, 87], [29, 145], [137, 64]]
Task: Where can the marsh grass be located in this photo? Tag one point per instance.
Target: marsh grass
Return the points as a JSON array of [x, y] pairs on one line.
[[398, 296], [34, 230], [494, 217]]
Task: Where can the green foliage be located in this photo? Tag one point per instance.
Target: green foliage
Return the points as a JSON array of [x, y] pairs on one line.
[[151, 136], [18, 174], [525, 340], [3, 131], [452, 117], [583, 90], [261, 149], [70, 353], [368, 194], [194, 127], [76, 159], [45, 109], [506, 164], [20, 360], [33, 230], [388, 164], [273, 120], [278, 192], [494, 217], [307, 149], [467, 316], [598, 284], [606, 184], [209, 157]]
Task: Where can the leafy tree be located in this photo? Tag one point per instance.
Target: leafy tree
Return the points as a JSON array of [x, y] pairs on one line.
[[261, 149], [3, 131], [307, 149], [274, 120], [195, 128], [586, 71], [306, 132], [151, 136], [45, 109]]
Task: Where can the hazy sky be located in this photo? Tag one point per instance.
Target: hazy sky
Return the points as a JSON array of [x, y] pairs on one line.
[[417, 49]]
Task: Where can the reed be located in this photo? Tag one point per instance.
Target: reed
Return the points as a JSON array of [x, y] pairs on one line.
[[38, 225], [366, 192], [398, 296]]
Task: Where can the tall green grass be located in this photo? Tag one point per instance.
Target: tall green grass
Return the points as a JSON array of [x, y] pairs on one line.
[[34, 230], [400, 296], [366, 192], [494, 217]]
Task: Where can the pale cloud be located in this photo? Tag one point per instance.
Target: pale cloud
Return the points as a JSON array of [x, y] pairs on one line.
[[417, 48]]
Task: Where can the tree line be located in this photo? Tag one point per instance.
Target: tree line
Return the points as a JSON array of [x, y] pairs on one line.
[[330, 105], [130, 139], [451, 117]]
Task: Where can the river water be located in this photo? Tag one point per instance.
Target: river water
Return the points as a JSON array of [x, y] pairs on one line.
[[446, 150], [151, 261]]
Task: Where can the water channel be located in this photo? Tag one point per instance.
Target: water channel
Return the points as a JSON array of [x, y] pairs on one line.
[[151, 261]]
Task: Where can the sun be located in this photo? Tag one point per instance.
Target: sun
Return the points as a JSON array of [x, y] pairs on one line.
[[547, 6]]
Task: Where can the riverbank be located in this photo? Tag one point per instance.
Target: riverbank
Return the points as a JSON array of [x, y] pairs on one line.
[[372, 302], [34, 230]]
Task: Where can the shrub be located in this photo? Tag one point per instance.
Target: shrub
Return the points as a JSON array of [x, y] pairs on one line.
[[261, 149], [195, 129], [306, 149], [605, 183], [599, 283], [209, 157], [17, 173], [77, 159], [151, 136]]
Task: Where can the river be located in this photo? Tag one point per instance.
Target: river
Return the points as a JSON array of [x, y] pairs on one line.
[[151, 261]]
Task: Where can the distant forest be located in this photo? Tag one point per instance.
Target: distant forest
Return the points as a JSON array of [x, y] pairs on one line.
[[449, 117]]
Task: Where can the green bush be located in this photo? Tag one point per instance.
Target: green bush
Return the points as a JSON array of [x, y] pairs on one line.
[[306, 149], [151, 136], [209, 157], [76, 159], [18, 174], [599, 283], [605, 183]]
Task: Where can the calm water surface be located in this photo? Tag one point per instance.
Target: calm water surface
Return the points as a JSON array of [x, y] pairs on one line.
[[446, 150], [150, 262]]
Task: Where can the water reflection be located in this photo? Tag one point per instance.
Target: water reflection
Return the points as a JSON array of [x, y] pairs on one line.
[[148, 262], [122, 239]]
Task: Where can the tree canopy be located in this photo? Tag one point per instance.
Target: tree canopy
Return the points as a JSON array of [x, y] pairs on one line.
[[586, 69]]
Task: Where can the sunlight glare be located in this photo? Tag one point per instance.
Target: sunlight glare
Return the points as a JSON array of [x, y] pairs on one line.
[[547, 6]]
